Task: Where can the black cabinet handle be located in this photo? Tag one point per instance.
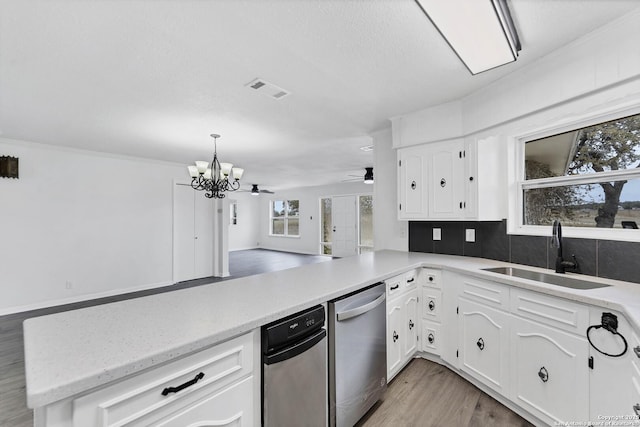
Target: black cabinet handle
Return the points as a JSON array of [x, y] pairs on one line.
[[636, 409], [413, 185], [470, 178], [395, 336], [543, 374], [431, 278], [431, 338], [411, 325], [443, 182], [183, 386], [636, 350], [411, 280], [393, 288], [432, 305], [480, 344]]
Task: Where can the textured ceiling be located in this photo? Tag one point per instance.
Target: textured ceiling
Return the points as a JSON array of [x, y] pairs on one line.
[[155, 78]]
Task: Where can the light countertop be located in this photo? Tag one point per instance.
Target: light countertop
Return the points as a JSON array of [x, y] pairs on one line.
[[72, 352]]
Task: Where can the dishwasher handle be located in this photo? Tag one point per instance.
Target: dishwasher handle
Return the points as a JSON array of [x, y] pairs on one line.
[[355, 312]]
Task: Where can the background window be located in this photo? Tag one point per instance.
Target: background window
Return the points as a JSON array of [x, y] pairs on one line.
[[587, 177], [325, 226], [365, 215], [285, 218]]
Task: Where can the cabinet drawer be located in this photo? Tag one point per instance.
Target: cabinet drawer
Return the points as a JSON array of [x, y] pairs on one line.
[[431, 340], [488, 293], [141, 395], [229, 407], [411, 280], [431, 303], [431, 277], [635, 389], [395, 285], [553, 311]]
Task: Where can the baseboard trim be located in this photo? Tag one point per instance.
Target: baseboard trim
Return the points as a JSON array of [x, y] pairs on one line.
[[79, 298]]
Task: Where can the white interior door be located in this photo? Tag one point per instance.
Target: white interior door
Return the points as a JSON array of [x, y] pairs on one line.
[[344, 220], [203, 235], [183, 238], [193, 225]]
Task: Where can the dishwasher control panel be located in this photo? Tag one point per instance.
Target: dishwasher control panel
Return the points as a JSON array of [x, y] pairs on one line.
[[292, 327]]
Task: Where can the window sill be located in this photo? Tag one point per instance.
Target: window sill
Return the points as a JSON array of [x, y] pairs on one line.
[[285, 235], [618, 234]]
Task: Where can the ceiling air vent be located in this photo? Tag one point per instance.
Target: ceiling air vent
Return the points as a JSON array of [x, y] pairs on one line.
[[268, 89]]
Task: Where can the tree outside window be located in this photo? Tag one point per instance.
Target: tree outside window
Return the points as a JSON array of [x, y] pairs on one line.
[[588, 177]]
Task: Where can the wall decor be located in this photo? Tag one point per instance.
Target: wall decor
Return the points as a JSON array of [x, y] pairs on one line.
[[8, 167]]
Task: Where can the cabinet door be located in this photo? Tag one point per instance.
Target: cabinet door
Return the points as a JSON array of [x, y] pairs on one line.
[[446, 170], [484, 341], [412, 184], [232, 407], [395, 335], [412, 324], [431, 302], [549, 372], [611, 373]]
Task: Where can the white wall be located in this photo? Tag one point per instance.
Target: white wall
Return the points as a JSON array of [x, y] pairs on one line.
[[389, 233], [246, 233], [309, 240], [78, 224]]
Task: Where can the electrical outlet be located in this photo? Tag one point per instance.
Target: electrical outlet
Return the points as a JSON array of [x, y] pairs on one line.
[[470, 235], [437, 234]]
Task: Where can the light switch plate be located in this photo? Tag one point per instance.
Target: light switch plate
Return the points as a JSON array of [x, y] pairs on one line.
[[437, 234], [470, 235]]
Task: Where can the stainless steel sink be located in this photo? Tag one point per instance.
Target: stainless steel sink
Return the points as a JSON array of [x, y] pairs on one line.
[[551, 279]]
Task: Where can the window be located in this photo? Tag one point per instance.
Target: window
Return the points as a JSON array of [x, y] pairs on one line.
[[365, 223], [325, 226], [587, 177], [285, 218]]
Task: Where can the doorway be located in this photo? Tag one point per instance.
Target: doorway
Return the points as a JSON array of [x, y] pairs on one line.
[[346, 225]]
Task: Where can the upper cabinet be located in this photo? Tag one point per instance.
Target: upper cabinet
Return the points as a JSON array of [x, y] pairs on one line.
[[456, 179]]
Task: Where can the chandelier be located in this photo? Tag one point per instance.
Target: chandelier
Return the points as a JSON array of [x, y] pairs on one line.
[[216, 178]]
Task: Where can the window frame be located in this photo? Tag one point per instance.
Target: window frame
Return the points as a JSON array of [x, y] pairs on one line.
[[518, 183], [285, 218]]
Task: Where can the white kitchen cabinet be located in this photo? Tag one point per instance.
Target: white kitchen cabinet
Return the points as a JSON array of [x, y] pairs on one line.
[[430, 307], [444, 180], [215, 386], [484, 344], [614, 382], [431, 182], [395, 347], [403, 325], [549, 372], [412, 183]]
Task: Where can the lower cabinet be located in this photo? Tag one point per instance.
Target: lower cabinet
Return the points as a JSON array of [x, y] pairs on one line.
[[217, 386], [229, 407], [484, 344], [402, 331], [549, 372]]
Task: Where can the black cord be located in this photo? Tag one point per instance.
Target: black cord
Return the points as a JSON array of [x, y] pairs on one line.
[[614, 332]]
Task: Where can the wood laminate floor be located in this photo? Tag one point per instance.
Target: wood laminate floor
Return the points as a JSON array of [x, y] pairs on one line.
[[425, 394], [13, 407]]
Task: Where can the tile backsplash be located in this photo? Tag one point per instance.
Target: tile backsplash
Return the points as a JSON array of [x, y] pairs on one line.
[[602, 258]]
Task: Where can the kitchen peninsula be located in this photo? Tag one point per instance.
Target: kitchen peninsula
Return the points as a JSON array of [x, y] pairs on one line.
[[74, 354]]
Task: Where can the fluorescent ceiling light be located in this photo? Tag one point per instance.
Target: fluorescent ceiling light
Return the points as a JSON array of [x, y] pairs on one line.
[[480, 32]]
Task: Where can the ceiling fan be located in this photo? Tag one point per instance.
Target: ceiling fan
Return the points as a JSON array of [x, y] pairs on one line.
[[367, 178], [255, 191]]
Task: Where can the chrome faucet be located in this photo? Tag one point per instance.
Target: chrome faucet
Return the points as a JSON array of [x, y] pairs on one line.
[[556, 242]]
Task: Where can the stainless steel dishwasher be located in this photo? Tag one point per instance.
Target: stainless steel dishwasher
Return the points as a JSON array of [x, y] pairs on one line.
[[357, 354], [294, 371]]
